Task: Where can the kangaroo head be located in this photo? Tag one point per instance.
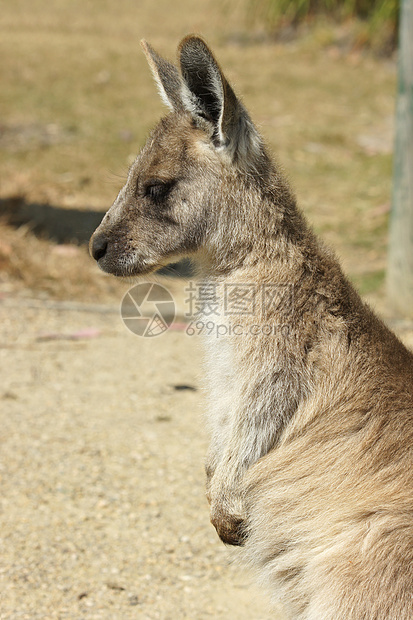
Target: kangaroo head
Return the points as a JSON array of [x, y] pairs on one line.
[[182, 190]]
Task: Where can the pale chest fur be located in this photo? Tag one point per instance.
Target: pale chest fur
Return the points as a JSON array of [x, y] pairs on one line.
[[221, 382]]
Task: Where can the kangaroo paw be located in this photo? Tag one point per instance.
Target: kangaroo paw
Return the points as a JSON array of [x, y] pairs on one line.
[[230, 527]]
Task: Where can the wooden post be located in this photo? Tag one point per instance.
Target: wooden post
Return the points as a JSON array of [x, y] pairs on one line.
[[400, 260]]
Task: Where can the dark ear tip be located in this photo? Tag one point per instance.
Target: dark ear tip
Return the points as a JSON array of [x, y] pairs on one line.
[[191, 41], [147, 49], [152, 57]]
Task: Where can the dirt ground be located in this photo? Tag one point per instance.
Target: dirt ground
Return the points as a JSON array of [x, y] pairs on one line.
[[103, 513]]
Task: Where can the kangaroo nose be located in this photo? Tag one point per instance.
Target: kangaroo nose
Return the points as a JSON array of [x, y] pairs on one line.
[[99, 247]]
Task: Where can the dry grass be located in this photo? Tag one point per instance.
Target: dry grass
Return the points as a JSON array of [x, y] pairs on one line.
[[78, 100], [51, 270], [373, 24]]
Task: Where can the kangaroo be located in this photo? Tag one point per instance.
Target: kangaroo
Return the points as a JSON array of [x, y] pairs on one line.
[[310, 467]]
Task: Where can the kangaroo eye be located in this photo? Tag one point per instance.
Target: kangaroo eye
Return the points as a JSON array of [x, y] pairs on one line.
[[158, 190]]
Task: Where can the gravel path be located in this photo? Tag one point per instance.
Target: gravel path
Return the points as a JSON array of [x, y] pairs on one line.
[[103, 512]]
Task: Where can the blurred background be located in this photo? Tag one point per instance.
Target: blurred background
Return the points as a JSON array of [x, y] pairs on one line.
[[101, 473], [77, 101]]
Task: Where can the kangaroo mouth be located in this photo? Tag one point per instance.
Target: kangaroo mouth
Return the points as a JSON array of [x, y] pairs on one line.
[[124, 268], [113, 259]]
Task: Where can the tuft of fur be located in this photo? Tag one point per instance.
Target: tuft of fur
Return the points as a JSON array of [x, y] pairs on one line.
[[310, 410]]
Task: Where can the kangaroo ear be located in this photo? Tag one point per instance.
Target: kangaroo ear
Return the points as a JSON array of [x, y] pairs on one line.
[[167, 78], [210, 95]]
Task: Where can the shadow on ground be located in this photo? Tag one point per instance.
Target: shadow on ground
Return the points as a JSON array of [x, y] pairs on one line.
[[51, 222], [63, 225]]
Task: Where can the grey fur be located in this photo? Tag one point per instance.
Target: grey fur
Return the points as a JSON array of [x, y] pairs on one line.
[[311, 457]]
